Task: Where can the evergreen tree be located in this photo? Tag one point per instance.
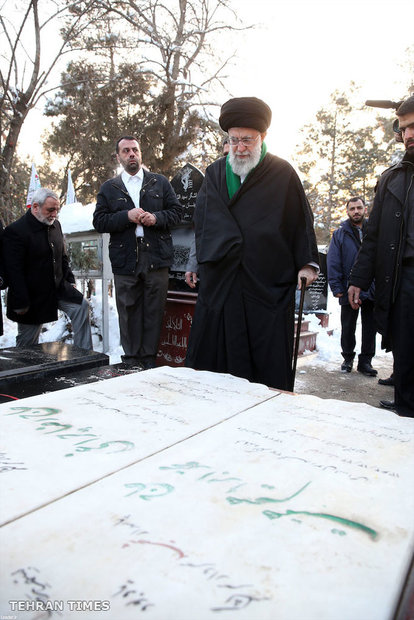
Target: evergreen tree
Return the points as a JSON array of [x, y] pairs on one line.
[[341, 155], [96, 105], [19, 184], [362, 161], [154, 97], [177, 43], [25, 69]]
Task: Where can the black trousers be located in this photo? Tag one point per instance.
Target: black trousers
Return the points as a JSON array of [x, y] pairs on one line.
[[402, 334], [348, 322], [140, 301]]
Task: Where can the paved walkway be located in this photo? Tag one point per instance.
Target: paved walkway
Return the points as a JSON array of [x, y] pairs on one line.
[[327, 381]]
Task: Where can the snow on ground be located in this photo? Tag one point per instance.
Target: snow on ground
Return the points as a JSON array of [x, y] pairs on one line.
[[58, 329], [328, 352], [77, 218]]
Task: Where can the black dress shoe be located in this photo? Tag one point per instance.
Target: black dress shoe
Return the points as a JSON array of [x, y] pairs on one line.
[[387, 404], [346, 366], [131, 364], [389, 381], [366, 369], [148, 364]]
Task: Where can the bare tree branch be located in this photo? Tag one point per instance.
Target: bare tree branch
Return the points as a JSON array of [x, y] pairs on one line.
[[22, 89]]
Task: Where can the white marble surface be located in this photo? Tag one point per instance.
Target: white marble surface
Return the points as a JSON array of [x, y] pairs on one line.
[[297, 508], [54, 443]]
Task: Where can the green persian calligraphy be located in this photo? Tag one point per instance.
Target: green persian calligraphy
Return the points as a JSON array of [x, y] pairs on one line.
[[321, 515], [271, 514]]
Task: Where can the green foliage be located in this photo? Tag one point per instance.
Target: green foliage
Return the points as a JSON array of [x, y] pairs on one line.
[[19, 184], [154, 65], [342, 152], [83, 256], [27, 63], [96, 104]]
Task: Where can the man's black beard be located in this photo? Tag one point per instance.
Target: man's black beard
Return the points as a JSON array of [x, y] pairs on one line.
[[409, 154], [132, 167]]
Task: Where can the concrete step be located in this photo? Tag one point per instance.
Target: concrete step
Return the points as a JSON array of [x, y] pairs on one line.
[[307, 341]]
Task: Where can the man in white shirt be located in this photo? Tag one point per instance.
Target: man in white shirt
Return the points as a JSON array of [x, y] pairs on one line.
[[137, 208]]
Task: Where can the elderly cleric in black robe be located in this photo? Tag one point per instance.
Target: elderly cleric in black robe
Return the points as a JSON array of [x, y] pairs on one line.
[[254, 235]]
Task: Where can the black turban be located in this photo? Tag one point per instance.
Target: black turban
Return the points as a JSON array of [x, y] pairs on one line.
[[245, 112]]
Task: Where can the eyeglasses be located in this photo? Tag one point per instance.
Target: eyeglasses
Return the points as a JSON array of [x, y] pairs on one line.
[[247, 141]]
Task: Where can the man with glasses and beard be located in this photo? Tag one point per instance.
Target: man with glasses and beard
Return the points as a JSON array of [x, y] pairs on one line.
[[40, 280], [255, 241], [387, 254]]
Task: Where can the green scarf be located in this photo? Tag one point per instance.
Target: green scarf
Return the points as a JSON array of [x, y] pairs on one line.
[[233, 180]]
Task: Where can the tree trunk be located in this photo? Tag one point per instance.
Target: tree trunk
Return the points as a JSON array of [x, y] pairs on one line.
[[20, 109]]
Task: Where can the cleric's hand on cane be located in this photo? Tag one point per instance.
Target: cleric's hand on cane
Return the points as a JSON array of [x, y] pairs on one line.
[[308, 272]]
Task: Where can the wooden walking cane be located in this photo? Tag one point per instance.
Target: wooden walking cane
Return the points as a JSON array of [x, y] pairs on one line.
[[300, 313]]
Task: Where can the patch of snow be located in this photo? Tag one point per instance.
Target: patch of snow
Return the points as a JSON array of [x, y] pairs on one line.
[[76, 217], [328, 353]]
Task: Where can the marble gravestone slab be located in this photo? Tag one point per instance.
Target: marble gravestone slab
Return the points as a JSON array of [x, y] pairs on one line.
[[54, 443], [295, 508]]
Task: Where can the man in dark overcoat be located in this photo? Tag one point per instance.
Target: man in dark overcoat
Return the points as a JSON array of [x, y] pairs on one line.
[[255, 240], [343, 250], [38, 274], [387, 254], [137, 208]]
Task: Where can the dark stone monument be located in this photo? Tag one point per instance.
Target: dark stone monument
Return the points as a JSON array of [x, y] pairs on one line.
[[11, 391], [28, 371], [316, 296], [186, 184], [181, 299]]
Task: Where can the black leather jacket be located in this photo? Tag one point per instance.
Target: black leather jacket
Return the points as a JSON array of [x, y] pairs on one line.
[[111, 216]]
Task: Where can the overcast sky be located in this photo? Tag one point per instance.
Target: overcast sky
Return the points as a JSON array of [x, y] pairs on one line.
[[309, 48], [305, 50]]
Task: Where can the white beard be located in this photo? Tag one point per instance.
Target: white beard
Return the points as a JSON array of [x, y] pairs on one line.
[[43, 219], [241, 165]]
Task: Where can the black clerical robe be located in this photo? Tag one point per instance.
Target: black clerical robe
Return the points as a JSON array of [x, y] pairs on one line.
[[250, 249]]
